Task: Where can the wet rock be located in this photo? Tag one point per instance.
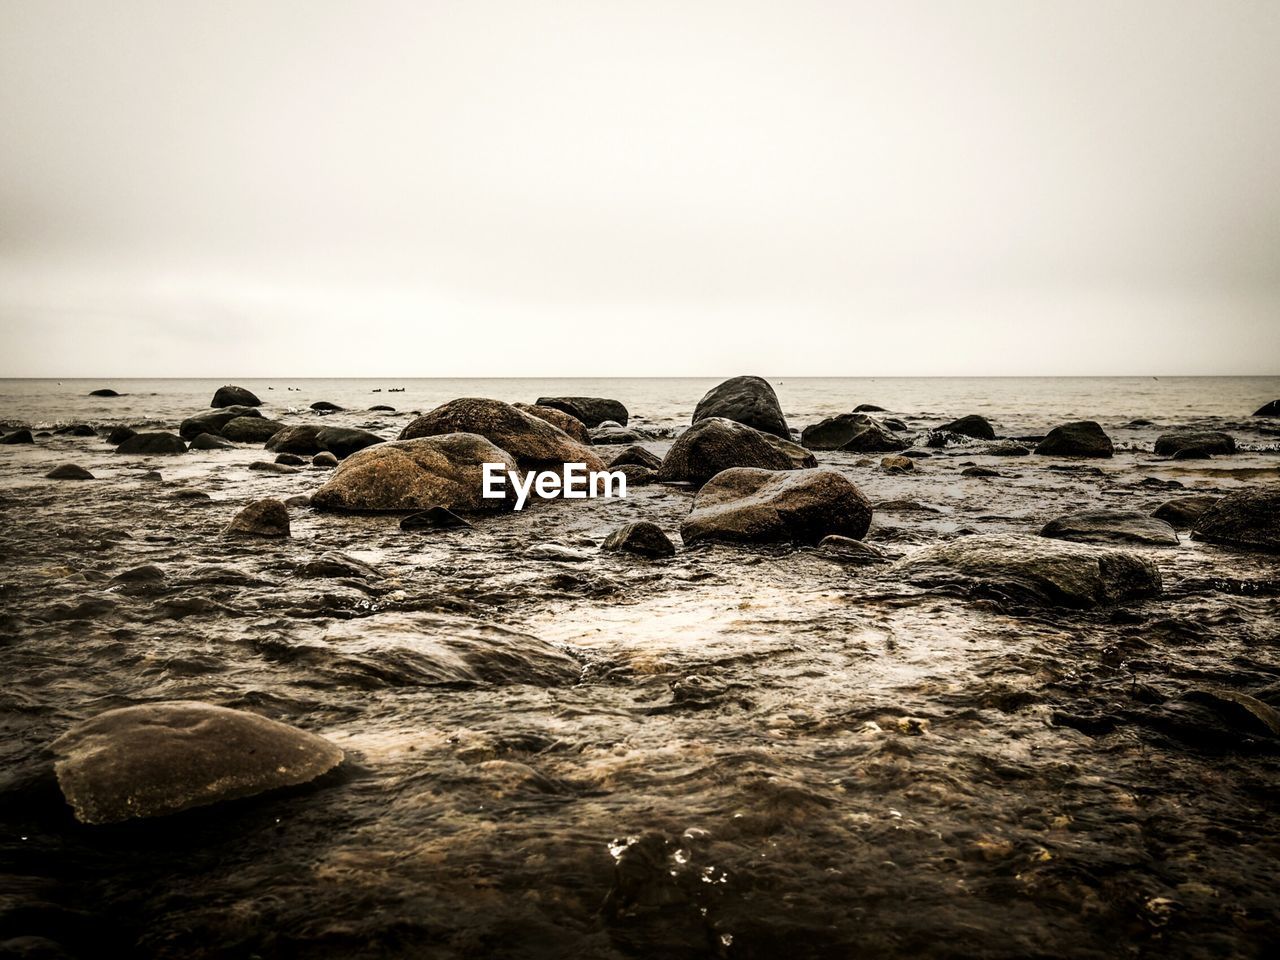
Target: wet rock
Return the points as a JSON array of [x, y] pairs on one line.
[[190, 495], [18, 436], [119, 435], [298, 501], [637, 455], [1271, 409], [751, 505], [748, 400], [558, 418], [533, 442], [979, 428], [103, 392], [1183, 512], [1005, 448], [69, 471], [147, 573], [163, 758], [323, 459], [418, 474], [1218, 719], [233, 396], [434, 518], [251, 429], [715, 444], [1032, 569], [152, 476], [868, 408], [212, 421], [1193, 453], [854, 432], [381, 408], [590, 411], [850, 550], [1123, 527], [556, 552], [894, 424], [77, 430], [331, 564], [265, 466], [153, 443], [291, 460], [897, 464], [299, 439], [800, 458], [324, 406], [979, 472], [1083, 438], [310, 439], [1194, 441], [637, 476], [643, 538], [209, 441], [1248, 519], [616, 434], [262, 518]]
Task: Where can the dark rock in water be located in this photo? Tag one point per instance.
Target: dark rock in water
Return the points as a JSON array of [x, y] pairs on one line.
[[209, 441], [591, 411], [750, 505], [1193, 453], [1248, 518], [251, 429], [162, 758], [613, 435], [323, 459], [642, 538], [190, 495], [324, 406], [917, 454], [637, 476], [801, 459], [938, 439], [555, 551], [854, 432], [897, 464], [119, 435], [309, 439], [434, 518], [381, 408], [1121, 527], [1208, 442], [147, 573], [231, 396], [716, 444], [637, 455], [868, 408], [558, 418], [849, 550], [18, 436], [1083, 438], [1140, 422], [77, 430], [979, 472], [298, 501], [748, 400], [290, 460], [69, 471], [417, 474], [152, 475], [979, 428], [1005, 448], [264, 466], [1183, 512], [332, 564], [300, 439], [1271, 409], [262, 518], [153, 443], [894, 424], [535, 443], [103, 392], [1035, 569], [212, 421]]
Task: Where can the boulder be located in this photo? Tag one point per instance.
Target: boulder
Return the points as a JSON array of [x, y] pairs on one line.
[[209, 441], [251, 429], [751, 505], [324, 406], [163, 758], [18, 436], [801, 459], [637, 455], [1247, 518], [716, 444], [591, 411], [749, 400], [1202, 441], [77, 430], [291, 460], [1034, 569], [1083, 438], [1120, 527], [1271, 409], [533, 442], [405, 475], [103, 392], [262, 518], [897, 464], [615, 434], [212, 421], [434, 518], [1183, 512], [558, 418], [266, 466], [642, 538], [893, 423], [979, 428], [310, 439], [232, 396], [153, 443], [324, 460], [119, 435], [854, 432], [868, 408], [69, 471]]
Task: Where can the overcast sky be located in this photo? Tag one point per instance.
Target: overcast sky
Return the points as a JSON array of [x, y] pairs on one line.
[[428, 188]]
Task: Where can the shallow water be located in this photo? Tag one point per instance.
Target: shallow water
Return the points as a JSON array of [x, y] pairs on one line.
[[734, 753]]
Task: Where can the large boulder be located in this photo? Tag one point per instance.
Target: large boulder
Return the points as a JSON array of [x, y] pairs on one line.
[[211, 441], [749, 400], [153, 443], [1082, 438], [1271, 409], [979, 428], [212, 421], [310, 439], [1183, 512], [414, 475], [535, 443], [854, 432], [590, 411], [251, 429], [262, 518], [716, 444], [750, 505], [1120, 527], [1180, 443], [163, 758], [643, 538], [1034, 569], [232, 396], [558, 418], [1248, 518]]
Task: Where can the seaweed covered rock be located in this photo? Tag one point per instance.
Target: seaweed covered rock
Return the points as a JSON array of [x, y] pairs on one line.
[[751, 505], [748, 400]]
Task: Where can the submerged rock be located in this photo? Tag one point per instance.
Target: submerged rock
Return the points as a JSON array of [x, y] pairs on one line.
[[590, 411], [310, 439], [979, 428], [163, 758], [233, 396], [251, 429], [1128, 527], [212, 421], [1179, 444], [751, 505], [1083, 438], [850, 550], [1183, 512], [556, 552], [153, 443], [1248, 518], [331, 564], [103, 392], [434, 518], [119, 435], [715, 444], [1005, 448], [291, 460], [77, 430], [69, 471], [854, 432], [643, 538], [262, 518], [558, 418], [638, 455], [210, 441], [1035, 569], [265, 466], [324, 406], [18, 436], [979, 472], [749, 400], [417, 474]]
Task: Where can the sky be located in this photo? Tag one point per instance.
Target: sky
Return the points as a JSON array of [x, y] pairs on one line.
[[653, 188]]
